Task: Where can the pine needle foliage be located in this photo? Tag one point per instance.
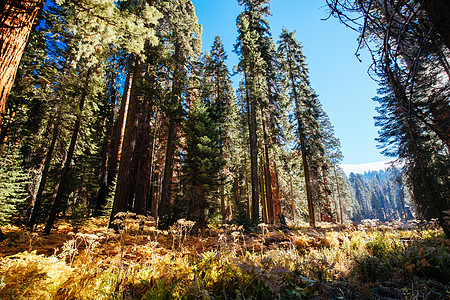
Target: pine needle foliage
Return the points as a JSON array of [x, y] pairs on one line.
[[13, 186]]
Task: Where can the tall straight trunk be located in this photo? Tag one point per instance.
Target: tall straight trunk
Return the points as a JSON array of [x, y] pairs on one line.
[[58, 200], [338, 187], [16, 20], [263, 194], [312, 220], [177, 90], [267, 174], [124, 196], [328, 215], [292, 199], [222, 201], [276, 183], [143, 152], [116, 150], [100, 199], [252, 127], [151, 199], [48, 158], [164, 207], [116, 153]]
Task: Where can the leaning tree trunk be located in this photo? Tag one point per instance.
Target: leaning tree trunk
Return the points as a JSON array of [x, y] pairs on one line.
[[16, 21]]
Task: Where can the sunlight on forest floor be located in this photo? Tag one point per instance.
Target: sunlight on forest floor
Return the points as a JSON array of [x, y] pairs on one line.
[[142, 262]]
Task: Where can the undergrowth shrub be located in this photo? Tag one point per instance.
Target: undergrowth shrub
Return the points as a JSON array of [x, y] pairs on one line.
[[140, 261]]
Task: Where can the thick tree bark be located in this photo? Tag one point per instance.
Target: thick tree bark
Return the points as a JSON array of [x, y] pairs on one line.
[[143, 153], [107, 175], [252, 127], [126, 177], [172, 114], [16, 20], [267, 174], [38, 200], [276, 195], [164, 207]]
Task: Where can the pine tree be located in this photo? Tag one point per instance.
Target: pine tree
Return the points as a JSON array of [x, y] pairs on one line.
[[252, 27], [218, 92], [13, 187], [184, 34], [302, 96], [203, 161]]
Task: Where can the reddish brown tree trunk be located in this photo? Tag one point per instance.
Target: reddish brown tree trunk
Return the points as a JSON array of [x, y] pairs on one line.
[[144, 151], [126, 177], [164, 207], [292, 199], [252, 127], [16, 20], [267, 175]]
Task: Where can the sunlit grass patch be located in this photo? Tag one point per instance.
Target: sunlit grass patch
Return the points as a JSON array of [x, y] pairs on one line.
[[142, 262]]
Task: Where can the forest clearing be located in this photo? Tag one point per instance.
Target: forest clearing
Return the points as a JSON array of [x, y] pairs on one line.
[[384, 261]]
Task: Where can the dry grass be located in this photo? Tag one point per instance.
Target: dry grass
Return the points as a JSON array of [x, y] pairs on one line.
[[142, 262]]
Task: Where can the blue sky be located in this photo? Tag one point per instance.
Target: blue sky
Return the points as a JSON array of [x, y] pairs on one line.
[[341, 81]]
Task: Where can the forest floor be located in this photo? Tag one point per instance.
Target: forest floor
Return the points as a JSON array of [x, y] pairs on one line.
[[389, 261]]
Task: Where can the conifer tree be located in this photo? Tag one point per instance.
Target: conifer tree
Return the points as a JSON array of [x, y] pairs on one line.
[[218, 92], [184, 33], [410, 47], [301, 95], [13, 185], [252, 28], [203, 161]]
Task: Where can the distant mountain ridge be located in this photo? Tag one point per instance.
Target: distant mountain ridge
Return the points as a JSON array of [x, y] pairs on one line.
[[366, 167]]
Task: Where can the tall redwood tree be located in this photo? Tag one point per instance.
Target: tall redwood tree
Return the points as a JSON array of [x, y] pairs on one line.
[[16, 21]]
